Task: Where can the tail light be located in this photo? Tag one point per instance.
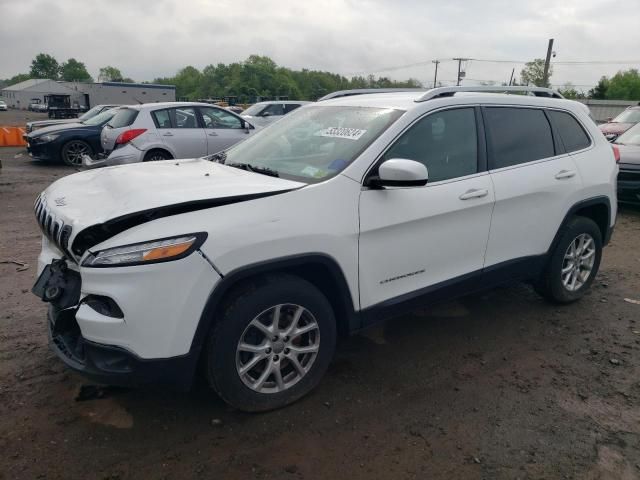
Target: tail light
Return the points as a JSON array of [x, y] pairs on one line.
[[126, 137], [616, 153]]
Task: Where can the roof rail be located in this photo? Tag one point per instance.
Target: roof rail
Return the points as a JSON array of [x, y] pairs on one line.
[[440, 92], [364, 91]]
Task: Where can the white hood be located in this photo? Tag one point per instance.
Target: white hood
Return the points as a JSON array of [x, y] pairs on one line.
[[96, 196]]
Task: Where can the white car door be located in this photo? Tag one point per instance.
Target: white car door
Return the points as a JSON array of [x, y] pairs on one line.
[[534, 186], [416, 238], [186, 138], [222, 129]]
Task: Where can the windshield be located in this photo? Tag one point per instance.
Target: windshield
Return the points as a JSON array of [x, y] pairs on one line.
[[101, 118], [255, 109], [628, 116], [89, 114], [630, 137], [315, 143]]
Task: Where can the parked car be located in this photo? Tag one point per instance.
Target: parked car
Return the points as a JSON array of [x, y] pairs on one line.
[[623, 122], [160, 131], [265, 113], [3, 105], [35, 125], [346, 212], [627, 148], [69, 142]]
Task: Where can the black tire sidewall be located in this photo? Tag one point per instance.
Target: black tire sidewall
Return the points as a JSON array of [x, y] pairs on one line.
[[147, 157], [223, 340], [575, 227], [63, 152]]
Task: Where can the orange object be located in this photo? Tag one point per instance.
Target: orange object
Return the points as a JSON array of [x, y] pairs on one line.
[[12, 137]]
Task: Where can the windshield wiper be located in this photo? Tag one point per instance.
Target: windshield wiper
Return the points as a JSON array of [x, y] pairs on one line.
[[219, 157], [252, 168]]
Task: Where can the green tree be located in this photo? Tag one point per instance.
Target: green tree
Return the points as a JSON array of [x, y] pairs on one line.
[[44, 66], [533, 73], [599, 92], [74, 71], [110, 74], [569, 91], [624, 86]]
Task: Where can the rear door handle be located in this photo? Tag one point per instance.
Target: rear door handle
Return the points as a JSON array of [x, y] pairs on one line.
[[565, 174], [474, 193], [168, 134], [212, 134]]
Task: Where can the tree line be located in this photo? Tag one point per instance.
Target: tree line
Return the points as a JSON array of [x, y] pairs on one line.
[[260, 77]]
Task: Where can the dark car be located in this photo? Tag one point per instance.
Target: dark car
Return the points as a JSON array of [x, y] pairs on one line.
[[33, 126], [628, 145], [69, 142], [623, 122]]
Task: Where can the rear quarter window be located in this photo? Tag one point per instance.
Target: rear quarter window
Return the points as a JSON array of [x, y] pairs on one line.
[[571, 132], [123, 118], [517, 135]]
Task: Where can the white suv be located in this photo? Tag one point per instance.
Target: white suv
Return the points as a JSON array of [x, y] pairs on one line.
[[160, 131], [339, 215]]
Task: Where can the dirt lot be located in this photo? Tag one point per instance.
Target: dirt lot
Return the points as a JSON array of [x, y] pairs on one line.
[[498, 385], [18, 118]]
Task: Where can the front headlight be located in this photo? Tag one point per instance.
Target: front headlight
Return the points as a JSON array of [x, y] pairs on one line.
[[48, 138], [162, 250]]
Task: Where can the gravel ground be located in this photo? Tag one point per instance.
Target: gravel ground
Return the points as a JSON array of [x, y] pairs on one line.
[[18, 118], [499, 385]]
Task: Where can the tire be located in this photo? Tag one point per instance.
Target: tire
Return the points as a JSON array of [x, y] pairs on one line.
[[73, 150], [257, 302], [156, 155], [559, 287]]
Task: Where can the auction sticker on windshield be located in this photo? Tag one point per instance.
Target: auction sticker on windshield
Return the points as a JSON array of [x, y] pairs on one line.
[[341, 132]]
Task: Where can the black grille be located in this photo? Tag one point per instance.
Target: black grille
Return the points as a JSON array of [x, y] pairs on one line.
[[53, 228], [629, 175]]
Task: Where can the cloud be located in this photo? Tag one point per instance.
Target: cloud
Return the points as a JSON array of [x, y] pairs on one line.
[[153, 38]]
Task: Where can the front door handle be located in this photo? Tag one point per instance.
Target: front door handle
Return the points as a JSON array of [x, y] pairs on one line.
[[474, 193], [168, 134], [565, 174], [212, 134]]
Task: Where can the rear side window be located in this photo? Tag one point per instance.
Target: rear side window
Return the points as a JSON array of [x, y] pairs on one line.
[[571, 132], [184, 117], [161, 118], [123, 118], [289, 107], [517, 135]]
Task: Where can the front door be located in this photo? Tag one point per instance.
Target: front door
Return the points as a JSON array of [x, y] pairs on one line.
[[414, 238], [223, 129]]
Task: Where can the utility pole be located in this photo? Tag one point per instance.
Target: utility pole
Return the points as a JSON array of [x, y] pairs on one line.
[[460, 60], [547, 62], [435, 76], [512, 72]]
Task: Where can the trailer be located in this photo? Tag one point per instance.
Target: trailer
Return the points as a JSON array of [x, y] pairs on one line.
[[59, 106]]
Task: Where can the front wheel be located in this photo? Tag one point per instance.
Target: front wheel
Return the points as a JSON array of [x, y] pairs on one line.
[[73, 151], [272, 345], [574, 262]]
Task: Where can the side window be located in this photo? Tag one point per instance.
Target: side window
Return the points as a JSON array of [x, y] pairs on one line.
[[184, 117], [218, 118], [290, 107], [274, 110], [518, 135], [571, 132], [161, 118], [445, 142]]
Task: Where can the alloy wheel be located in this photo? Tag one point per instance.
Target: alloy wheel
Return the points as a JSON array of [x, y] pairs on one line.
[[278, 348], [578, 262], [74, 152]]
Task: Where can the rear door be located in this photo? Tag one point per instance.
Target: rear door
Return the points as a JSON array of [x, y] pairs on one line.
[[535, 182], [222, 129], [185, 137]]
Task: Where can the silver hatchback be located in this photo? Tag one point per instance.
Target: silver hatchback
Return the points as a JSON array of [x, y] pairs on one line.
[[161, 131]]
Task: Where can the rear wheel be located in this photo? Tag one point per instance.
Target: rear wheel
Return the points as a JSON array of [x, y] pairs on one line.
[[156, 155], [272, 344], [574, 262], [73, 151]]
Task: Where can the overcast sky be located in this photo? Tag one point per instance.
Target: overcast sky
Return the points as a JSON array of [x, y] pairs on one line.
[[151, 38]]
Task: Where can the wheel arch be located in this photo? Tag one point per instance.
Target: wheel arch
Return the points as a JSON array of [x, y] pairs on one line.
[[319, 269], [161, 148], [597, 209]]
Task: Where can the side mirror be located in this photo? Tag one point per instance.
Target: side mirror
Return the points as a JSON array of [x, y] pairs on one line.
[[400, 172], [247, 126]]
